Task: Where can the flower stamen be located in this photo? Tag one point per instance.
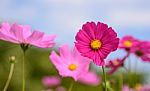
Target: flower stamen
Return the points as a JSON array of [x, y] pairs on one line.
[[72, 67], [128, 43], [96, 44]]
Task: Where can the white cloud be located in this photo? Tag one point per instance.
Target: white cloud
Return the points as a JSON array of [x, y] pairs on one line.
[[130, 17]]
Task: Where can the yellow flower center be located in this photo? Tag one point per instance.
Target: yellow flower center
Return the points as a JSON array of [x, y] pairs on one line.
[[96, 44], [115, 63], [72, 67], [128, 43], [138, 87]]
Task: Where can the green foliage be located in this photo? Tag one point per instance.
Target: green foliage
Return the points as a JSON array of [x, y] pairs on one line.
[[37, 65]]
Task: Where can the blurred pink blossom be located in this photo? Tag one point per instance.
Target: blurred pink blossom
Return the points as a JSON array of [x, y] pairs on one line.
[[21, 34], [128, 42], [61, 88], [114, 65], [136, 88], [90, 78], [51, 81], [142, 50]]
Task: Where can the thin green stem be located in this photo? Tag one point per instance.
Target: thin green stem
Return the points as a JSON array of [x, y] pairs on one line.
[[71, 86], [104, 76], [120, 81], [136, 67], [9, 77], [129, 72], [23, 72]]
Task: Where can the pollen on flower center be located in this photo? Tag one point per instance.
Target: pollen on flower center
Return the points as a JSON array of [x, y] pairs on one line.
[[72, 67], [128, 43], [96, 44], [115, 62]]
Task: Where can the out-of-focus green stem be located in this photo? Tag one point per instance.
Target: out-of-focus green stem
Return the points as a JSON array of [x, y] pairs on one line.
[[23, 72], [104, 77], [71, 86], [9, 77]]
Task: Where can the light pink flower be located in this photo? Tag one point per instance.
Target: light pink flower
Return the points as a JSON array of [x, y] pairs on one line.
[[51, 81], [127, 42], [96, 41], [21, 34], [90, 78], [142, 50], [70, 63]]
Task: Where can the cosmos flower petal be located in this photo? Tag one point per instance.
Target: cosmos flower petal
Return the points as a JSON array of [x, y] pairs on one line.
[[101, 29], [45, 42], [93, 79], [35, 36], [82, 48], [7, 38], [19, 33], [5, 28], [88, 28], [83, 36], [65, 51]]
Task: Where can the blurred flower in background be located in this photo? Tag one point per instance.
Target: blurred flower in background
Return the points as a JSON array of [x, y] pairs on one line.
[[51, 81], [70, 63]]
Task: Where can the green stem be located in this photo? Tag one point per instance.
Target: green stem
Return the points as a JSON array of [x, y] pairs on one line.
[[71, 86], [9, 77], [23, 72], [136, 66], [104, 76], [120, 81], [129, 73]]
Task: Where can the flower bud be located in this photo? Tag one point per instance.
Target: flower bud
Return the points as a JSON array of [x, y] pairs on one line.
[[12, 59]]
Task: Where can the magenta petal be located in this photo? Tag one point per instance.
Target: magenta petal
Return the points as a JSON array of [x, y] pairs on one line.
[[101, 29], [89, 28], [82, 36], [98, 60], [82, 48]]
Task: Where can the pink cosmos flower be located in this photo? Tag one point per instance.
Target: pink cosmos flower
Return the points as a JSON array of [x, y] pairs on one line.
[[142, 50], [114, 65], [70, 64], [51, 81], [96, 41], [90, 78], [21, 34], [127, 42]]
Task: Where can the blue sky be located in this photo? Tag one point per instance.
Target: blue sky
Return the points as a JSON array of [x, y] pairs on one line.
[[65, 17]]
